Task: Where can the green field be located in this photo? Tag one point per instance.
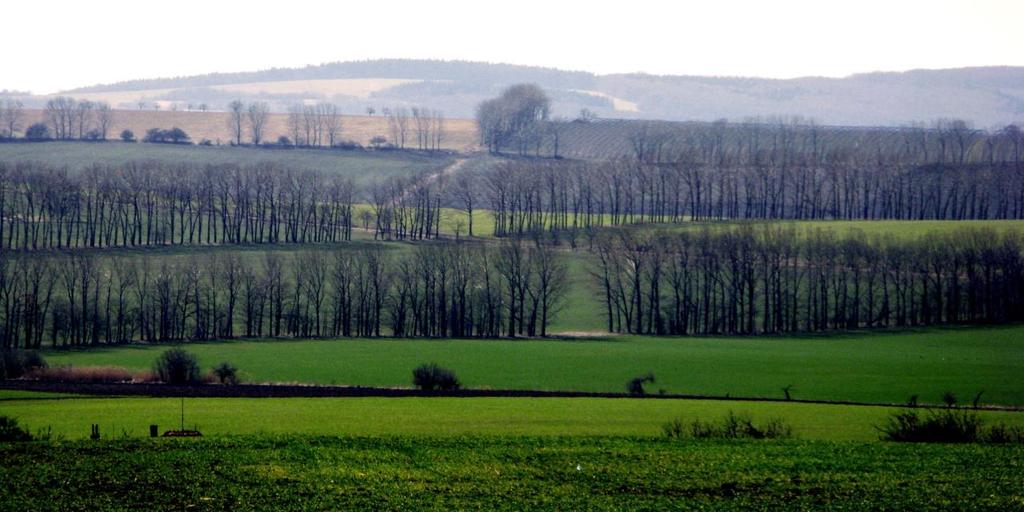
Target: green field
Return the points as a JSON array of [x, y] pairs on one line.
[[131, 417], [508, 473], [363, 167], [877, 367]]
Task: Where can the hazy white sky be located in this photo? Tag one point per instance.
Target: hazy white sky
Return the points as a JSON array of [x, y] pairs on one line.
[[56, 45]]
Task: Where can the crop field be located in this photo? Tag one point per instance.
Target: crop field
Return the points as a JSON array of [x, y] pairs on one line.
[[508, 473], [363, 167], [460, 134], [877, 367]]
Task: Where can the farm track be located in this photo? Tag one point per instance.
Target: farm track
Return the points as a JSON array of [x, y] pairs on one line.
[[115, 390]]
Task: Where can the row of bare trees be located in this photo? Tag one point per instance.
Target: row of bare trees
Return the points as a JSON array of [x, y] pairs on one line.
[[150, 204], [426, 125], [73, 119], [536, 195], [435, 290], [316, 125], [770, 280]]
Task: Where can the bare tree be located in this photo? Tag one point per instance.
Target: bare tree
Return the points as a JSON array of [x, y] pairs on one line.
[[236, 121], [60, 112], [104, 117], [332, 122], [11, 117], [258, 113], [398, 123]]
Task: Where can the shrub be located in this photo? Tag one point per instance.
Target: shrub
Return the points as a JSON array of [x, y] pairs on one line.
[[1001, 433], [636, 385], [226, 373], [38, 131], [128, 136], [173, 136], [17, 363], [733, 426], [945, 426], [429, 377], [176, 366], [10, 432]]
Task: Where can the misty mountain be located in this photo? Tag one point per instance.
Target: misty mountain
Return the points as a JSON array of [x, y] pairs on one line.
[[985, 96]]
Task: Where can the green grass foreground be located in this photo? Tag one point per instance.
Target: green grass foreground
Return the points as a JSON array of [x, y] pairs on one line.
[[507, 473], [131, 417], [876, 367]]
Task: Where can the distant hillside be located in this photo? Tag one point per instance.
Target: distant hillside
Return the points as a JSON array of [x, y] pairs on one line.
[[987, 96]]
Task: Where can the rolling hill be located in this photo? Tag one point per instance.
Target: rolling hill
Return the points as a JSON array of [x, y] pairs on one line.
[[985, 96]]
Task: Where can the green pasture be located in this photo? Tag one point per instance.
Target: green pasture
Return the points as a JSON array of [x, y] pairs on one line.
[[876, 367], [131, 417]]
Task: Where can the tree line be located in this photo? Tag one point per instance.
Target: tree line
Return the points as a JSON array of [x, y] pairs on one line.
[[151, 204], [433, 290], [773, 279], [536, 195]]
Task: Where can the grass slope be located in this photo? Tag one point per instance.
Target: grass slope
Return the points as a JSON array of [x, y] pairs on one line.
[[864, 366], [310, 473]]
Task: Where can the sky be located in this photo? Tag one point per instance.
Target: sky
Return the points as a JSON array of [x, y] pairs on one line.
[[58, 45]]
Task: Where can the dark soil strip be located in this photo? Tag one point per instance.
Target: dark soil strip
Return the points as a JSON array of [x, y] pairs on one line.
[[313, 391]]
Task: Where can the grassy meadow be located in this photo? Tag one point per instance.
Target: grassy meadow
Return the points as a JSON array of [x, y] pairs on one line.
[[876, 367], [70, 418]]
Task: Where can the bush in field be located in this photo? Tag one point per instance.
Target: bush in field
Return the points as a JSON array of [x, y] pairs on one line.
[[226, 373], [128, 136], [10, 432], [38, 131], [430, 377], [17, 363], [733, 426], [636, 385], [935, 426], [176, 366]]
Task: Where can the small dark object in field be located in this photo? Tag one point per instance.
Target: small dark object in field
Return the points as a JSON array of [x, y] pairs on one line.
[[153, 431], [183, 433], [977, 399], [95, 433], [226, 373], [949, 399], [430, 377], [11, 432], [912, 402], [176, 366], [786, 390], [636, 385]]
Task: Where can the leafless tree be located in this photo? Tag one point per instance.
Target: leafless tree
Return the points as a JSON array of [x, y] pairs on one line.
[[398, 124], [259, 111], [236, 121], [332, 122], [104, 117]]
